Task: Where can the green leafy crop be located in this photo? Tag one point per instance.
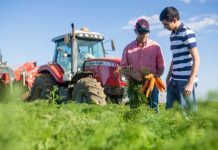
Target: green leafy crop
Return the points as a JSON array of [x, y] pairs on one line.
[[43, 125]]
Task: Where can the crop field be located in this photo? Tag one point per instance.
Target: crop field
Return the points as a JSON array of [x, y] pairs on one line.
[[43, 125]]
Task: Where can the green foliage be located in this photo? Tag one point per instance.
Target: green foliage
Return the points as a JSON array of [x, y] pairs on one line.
[[136, 97], [53, 96], [8, 94], [42, 125]]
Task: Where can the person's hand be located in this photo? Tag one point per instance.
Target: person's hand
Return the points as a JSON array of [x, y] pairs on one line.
[[188, 89], [137, 76]]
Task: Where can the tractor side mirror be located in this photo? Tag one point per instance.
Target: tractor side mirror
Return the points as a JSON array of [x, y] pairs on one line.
[[113, 45], [109, 46]]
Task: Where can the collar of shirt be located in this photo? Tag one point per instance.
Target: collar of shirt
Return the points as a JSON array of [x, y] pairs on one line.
[[141, 44], [178, 29]]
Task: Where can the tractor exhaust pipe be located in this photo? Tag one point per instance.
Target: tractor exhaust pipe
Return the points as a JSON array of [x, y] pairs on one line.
[[73, 51]]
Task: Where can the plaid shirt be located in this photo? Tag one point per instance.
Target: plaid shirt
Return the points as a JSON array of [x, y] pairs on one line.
[[143, 55]]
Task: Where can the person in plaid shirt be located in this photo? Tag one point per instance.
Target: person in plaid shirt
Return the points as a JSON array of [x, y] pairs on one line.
[[143, 53]]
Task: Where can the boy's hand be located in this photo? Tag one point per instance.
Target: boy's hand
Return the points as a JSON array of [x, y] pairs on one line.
[[188, 89]]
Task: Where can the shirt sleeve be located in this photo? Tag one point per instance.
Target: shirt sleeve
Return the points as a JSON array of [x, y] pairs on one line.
[[160, 60], [189, 39], [124, 61]]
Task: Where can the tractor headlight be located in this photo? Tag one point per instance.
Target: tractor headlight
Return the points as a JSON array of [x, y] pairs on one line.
[[80, 35], [86, 35]]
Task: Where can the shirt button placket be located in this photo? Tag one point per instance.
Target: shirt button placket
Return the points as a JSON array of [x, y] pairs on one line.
[[141, 57]]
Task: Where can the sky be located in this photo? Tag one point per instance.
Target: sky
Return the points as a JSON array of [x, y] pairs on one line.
[[27, 27]]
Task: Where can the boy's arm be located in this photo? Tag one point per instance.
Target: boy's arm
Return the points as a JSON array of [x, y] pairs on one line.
[[169, 73], [195, 67]]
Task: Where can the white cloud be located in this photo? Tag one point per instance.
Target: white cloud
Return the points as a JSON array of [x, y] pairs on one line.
[[194, 18], [206, 23], [189, 1], [153, 22], [198, 23], [186, 1]]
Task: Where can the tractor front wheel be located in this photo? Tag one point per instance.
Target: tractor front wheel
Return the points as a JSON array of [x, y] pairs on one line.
[[88, 90], [42, 86]]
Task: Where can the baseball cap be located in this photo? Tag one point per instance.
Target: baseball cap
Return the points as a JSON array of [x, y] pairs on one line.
[[142, 25]]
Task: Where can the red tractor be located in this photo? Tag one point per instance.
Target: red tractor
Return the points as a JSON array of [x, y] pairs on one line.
[[6, 75], [80, 70]]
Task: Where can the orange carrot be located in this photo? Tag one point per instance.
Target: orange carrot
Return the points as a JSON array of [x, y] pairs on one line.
[[145, 85], [161, 83], [149, 76], [151, 85], [158, 86], [147, 93]]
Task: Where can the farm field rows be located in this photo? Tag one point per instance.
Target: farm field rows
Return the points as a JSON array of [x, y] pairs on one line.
[[43, 125]]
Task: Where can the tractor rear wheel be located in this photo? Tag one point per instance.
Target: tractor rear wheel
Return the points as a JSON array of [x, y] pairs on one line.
[[88, 90], [42, 86]]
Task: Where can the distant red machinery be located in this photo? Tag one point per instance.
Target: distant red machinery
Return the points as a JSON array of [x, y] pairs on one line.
[[6, 75], [26, 74]]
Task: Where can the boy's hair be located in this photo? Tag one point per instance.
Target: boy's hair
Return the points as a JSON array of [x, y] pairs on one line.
[[169, 13]]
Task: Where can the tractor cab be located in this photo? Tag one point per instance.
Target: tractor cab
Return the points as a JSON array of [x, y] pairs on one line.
[[86, 45]]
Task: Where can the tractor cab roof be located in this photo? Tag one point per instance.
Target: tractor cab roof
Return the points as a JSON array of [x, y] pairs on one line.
[[83, 33]]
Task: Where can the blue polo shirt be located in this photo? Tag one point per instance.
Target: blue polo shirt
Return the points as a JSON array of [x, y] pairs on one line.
[[181, 41]]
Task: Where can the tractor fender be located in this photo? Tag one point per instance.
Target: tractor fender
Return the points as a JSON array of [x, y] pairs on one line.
[[54, 70]]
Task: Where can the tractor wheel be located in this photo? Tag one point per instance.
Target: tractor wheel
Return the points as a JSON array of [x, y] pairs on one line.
[[42, 86], [88, 90], [2, 91]]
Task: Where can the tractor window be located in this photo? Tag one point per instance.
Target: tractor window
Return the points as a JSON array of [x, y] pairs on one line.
[[64, 56], [89, 49]]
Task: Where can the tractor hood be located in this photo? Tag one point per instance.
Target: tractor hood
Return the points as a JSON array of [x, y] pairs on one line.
[[105, 70]]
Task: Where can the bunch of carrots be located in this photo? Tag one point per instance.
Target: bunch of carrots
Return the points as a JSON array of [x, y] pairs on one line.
[[150, 82]]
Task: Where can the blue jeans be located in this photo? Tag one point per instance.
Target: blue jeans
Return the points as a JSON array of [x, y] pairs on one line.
[[175, 90], [153, 98]]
